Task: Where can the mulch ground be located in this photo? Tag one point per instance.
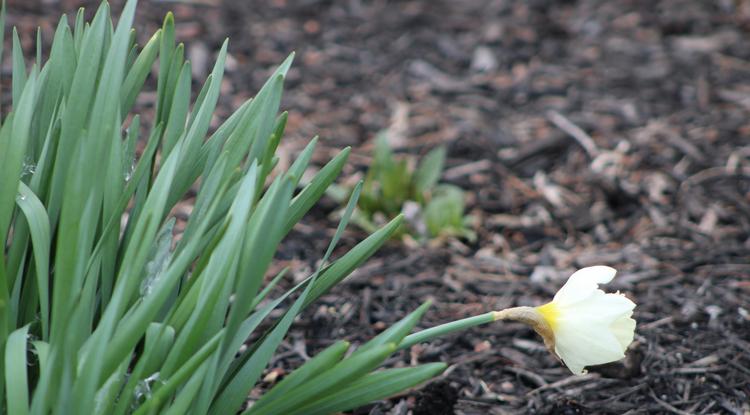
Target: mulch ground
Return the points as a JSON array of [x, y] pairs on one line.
[[584, 132]]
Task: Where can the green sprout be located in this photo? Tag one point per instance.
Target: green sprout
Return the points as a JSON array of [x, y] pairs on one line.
[[392, 187]]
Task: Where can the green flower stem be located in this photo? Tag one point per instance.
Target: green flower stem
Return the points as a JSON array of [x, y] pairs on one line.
[[447, 328]]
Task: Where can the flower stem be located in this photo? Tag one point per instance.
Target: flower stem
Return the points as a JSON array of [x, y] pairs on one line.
[[526, 315], [447, 328]]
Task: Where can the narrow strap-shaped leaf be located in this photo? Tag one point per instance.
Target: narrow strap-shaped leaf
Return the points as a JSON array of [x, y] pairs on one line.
[[42, 352], [161, 395], [132, 49], [2, 31], [198, 124], [11, 157], [36, 217], [11, 153], [14, 137], [16, 377], [138, 72], [134, 325], [139, 174], [114, 179], [254, 129], [133, 262], [231, 397], [373, 387], [19, 69], [229, 349], [338, 270], [396, 332], [429, 170], [267, 289], [104, 125], [346, 264], [78, 29], [38, 47], [341, 374], [313, 367], [249, 325], [219, 269], [56, 75], [297, 168], [173, 72], [269, 159], [262, 238], [77, 113], [188, 394], [159, 338], [342, 223], [40, 177], [248, 374], [212, 147], [317, 187], [178, 110], [109, 392], [166, 49], [249, 371]]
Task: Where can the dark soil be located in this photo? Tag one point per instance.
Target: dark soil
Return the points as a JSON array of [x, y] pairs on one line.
[[584, 132]]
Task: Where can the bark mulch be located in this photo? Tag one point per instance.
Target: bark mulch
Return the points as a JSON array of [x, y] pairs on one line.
[[583, 131]]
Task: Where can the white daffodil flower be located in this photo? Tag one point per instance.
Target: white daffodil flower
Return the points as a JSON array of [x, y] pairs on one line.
[[582, 325]]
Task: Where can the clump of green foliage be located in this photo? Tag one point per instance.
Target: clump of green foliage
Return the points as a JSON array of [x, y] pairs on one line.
[[103, 310], [392, 184]]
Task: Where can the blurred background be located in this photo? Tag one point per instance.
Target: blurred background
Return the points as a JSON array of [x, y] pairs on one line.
[[582, 132]]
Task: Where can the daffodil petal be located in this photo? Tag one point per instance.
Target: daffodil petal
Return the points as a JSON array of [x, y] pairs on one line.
[[583, 283], [623, 329], [580, 344], [599, 306]]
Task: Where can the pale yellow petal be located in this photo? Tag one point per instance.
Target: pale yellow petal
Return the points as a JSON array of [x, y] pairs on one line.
[[583, 283], [599, 306], [581, 343], [623, 329]]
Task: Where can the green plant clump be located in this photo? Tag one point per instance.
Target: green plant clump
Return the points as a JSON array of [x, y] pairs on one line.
[[102, 309], [392, 184]]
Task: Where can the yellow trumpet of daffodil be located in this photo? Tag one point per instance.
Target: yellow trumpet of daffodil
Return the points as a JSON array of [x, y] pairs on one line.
[[582, 325]]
